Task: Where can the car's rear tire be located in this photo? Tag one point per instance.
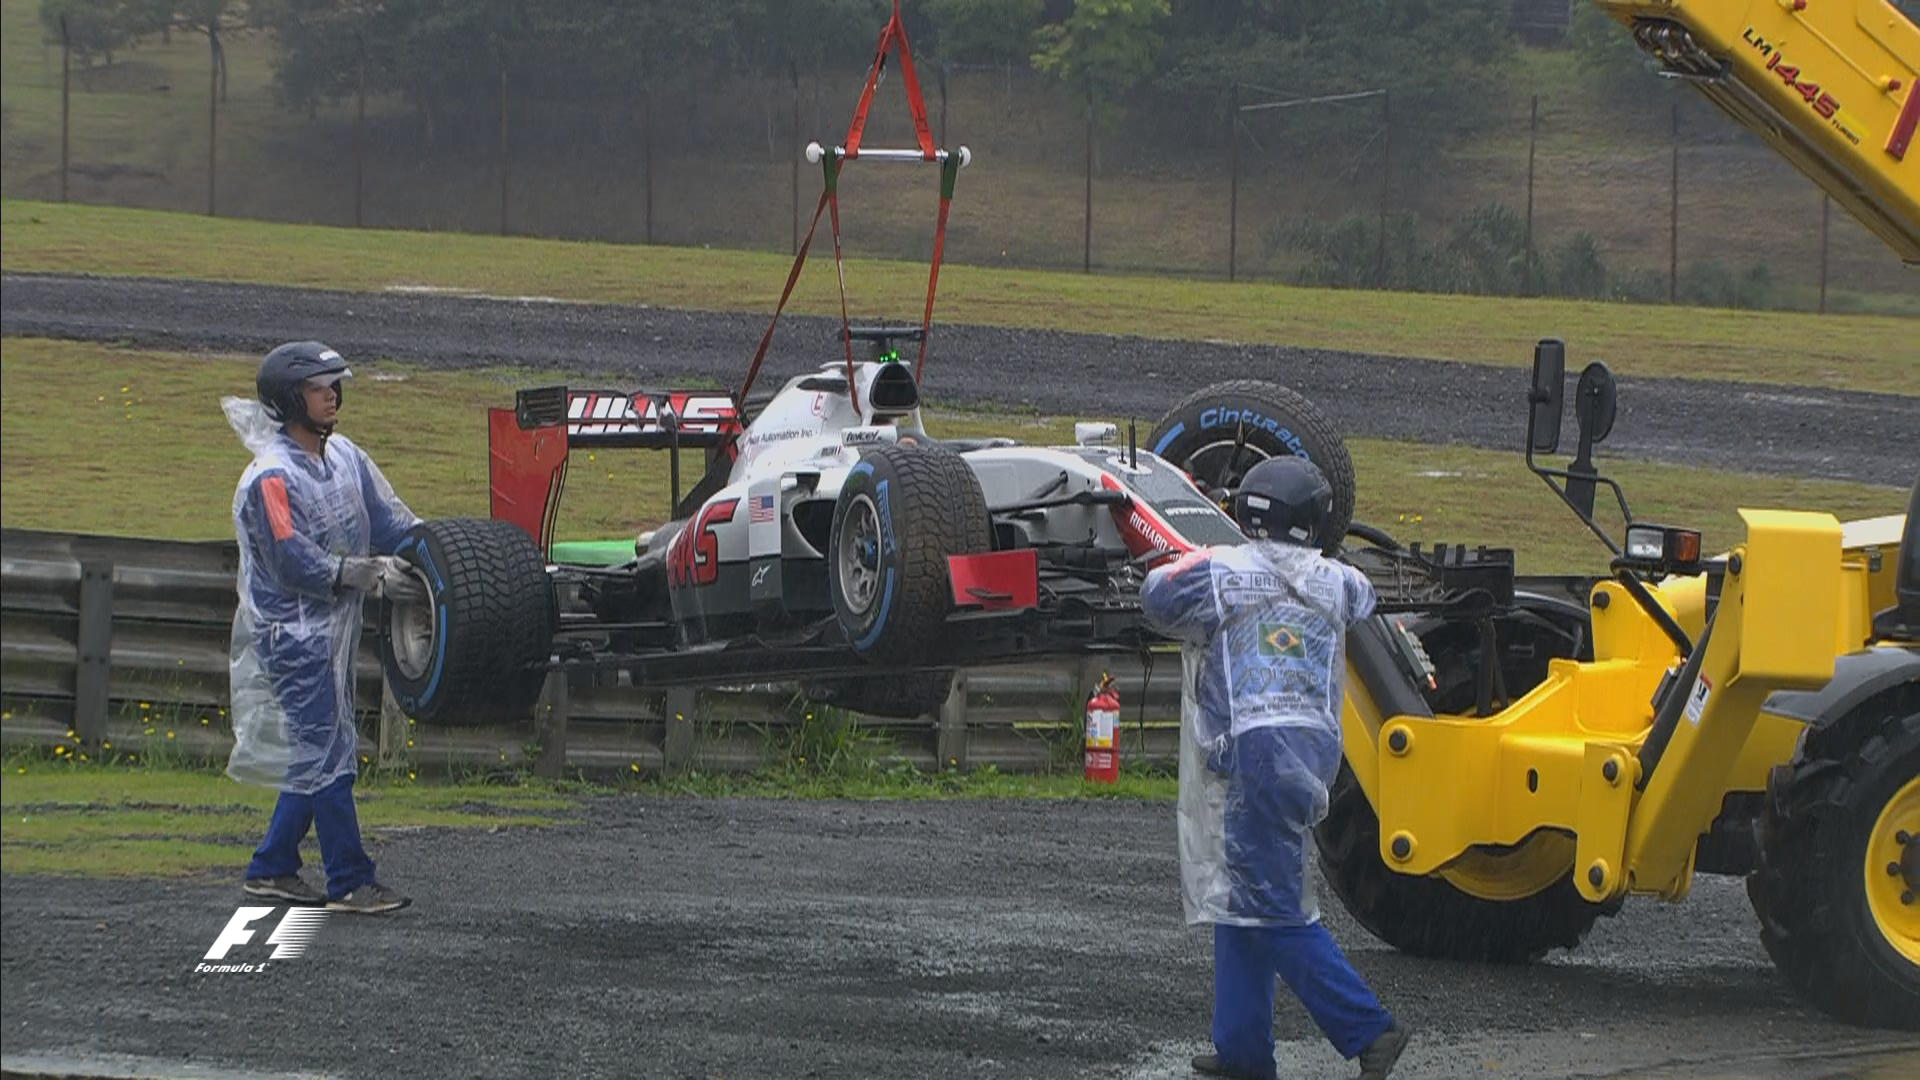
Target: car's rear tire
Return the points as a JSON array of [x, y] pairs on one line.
[[472, 652], [1218, 433], [1835, 889], [900, 513]]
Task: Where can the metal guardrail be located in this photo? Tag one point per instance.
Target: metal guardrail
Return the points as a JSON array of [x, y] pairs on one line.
[[101, 635]]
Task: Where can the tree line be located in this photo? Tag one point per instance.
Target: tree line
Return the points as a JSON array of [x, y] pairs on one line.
[[447, 54]]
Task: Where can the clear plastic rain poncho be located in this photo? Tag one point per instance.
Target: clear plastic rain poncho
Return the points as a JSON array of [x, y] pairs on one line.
[[1264, 661], [294, 636]]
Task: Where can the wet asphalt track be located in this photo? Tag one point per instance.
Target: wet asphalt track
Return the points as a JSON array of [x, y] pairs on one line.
[[1751, 427], [723, 938]]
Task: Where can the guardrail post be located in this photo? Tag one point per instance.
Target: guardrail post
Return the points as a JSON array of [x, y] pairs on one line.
[[951, 746], [93, 673], [550, 724], [677, 748], [395, 729]]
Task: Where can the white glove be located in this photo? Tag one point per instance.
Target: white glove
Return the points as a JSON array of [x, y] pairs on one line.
[[360, 573], [387, 576], [398, 582]]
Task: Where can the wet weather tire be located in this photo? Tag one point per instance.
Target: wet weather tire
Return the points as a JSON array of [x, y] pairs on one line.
[[472, 652], [1203, 435], [1430, 916], [900, 513], [1822, 862]]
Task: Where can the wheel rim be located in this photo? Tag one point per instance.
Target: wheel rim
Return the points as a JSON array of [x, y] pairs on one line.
[[414, 632], [1893, 871], [1219, 466], [1540, 861], [858, 555]]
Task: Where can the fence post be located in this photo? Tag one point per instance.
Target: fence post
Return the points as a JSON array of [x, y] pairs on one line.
[[66, 84], [1086, 232], [93, 673], [359, 133], [1533, 139], [1673, 214], [794, 159], [678, 745], [213, 112], [1386, 186], [646, 135], [951, 745], [504, 156], [1233, 179], [550, 723], [1826, 212]]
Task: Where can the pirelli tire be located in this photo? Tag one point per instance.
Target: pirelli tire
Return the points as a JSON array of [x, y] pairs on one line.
[[901, 511], [1837, 888], [474, 651], [1431, 916], [1218, 433]]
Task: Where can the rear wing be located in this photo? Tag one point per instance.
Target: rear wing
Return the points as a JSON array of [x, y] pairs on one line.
[[528, 444], [638, 419]]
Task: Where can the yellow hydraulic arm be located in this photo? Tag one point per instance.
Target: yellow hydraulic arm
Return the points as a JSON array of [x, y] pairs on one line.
[[1830, 84]]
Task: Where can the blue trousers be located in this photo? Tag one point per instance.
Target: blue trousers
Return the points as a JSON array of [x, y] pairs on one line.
[[1245, 961], [330, 814]]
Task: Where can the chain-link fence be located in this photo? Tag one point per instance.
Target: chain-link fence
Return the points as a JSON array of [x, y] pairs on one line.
[[1563, 193]]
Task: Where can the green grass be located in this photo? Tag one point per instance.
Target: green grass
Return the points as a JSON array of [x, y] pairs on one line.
[[115, 820], [140, 433], [1853, 351]]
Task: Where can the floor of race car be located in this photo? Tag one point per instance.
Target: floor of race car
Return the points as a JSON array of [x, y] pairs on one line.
[[728, 938]]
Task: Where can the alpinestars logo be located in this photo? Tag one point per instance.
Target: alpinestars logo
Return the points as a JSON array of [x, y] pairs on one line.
[[289, 939]]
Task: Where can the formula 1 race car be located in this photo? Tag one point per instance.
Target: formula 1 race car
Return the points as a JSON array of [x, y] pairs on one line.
[[832, 540]]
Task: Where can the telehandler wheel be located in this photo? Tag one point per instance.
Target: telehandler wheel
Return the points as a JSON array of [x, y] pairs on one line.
[[1434, 917], [1838, 885]]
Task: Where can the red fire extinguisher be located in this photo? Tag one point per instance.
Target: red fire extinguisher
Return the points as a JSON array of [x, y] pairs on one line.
[[1103, 726]]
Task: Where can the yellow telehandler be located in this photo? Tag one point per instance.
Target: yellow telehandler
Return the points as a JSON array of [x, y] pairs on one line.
[[1829, 84], [1519, 761], [1515, 770]]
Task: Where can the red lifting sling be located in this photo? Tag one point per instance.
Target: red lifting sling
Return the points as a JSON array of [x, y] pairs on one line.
[[892, 36]]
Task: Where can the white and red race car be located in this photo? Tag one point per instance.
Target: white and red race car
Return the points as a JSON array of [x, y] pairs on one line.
[[832, 539]]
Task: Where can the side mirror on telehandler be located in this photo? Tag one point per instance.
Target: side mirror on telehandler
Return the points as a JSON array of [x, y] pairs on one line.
[[1594, 407], [1549, 376]]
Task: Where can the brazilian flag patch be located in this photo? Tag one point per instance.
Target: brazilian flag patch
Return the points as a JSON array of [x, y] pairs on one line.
[[1279, 639]]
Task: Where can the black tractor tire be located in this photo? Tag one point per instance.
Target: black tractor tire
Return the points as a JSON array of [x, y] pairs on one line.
[[1274, 420], [912, 506], [901, 697], [1810, 888], [1429, 916], [473, 652]]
